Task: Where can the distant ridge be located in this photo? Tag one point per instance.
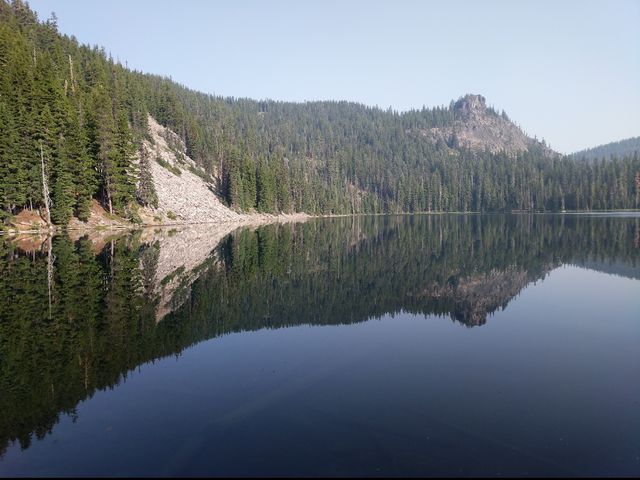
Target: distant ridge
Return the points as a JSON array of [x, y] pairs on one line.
[[620, 148]]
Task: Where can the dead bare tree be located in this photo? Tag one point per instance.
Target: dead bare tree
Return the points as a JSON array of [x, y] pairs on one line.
[[45, 188], [73, 80]]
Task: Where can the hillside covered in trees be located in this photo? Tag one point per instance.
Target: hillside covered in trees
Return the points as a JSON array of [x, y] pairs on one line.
[[618, 149], [73, 122]]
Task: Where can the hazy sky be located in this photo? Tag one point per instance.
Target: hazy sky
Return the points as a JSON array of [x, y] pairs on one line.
[[565, 71]]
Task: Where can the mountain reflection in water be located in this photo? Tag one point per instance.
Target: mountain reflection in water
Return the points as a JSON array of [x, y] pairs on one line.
[[76, 315]]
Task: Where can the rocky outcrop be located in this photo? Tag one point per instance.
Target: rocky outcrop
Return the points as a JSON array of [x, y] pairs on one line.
[[478, 127], [470, 107], [186, 194]]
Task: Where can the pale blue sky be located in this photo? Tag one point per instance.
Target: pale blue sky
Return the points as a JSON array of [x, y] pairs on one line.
[[566, 71]]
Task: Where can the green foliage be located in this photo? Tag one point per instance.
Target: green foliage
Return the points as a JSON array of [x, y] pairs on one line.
[[172, 168], [63, 189], [169, 278], [70, 101], [199, 173], [146, 192], [90, 113], [266, 187]]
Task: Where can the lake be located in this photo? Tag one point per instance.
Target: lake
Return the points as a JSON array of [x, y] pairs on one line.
[[386, 345]]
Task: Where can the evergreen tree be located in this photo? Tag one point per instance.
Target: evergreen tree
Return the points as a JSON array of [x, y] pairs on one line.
[[62, 187], [146, 192], [266, 194]]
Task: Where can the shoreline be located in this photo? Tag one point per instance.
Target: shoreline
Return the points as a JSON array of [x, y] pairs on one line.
[[123, 226], [255, 219]]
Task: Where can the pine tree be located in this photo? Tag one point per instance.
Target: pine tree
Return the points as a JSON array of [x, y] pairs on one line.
[[146, 192], [266, 193], [282, 185], [81, 164], [12, 179], [249, 182], [63, 198], [124, 173]]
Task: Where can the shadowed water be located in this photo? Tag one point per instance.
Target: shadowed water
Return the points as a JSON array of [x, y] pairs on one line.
[[395, 345]]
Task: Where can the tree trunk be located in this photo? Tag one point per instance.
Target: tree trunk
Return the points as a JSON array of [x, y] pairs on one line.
[[45, 188], [108, 192], [73, 81]]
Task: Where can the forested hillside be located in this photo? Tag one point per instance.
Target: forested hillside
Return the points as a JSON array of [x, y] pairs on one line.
[[618, 149], [73, 121]]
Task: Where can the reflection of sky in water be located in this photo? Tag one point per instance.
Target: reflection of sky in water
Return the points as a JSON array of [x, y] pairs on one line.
[[548, 385]]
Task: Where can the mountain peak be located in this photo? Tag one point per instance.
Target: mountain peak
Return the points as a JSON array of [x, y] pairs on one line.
[[476, 126], [470, 104]]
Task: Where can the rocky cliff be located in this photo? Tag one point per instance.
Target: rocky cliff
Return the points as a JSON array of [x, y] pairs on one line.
[[478, 127]]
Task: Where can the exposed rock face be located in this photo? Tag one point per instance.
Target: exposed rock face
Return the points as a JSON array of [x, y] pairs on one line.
[[470, 106], [477, 127], [185, 193]]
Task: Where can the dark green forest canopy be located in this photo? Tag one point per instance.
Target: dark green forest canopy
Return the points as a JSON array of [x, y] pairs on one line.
[[83, 115], [96, 320]]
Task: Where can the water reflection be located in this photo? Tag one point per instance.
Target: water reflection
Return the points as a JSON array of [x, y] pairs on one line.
[[77, 314]]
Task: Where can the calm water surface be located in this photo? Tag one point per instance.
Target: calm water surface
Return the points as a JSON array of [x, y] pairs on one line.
[[409, 345]]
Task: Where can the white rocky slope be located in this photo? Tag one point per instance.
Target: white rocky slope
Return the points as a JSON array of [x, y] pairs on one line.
[[183, 196]]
